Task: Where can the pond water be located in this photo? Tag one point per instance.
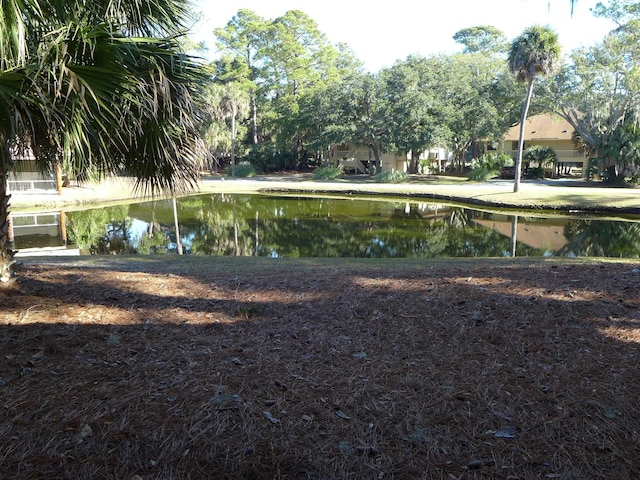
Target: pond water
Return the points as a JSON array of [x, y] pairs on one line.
[[288, 226]]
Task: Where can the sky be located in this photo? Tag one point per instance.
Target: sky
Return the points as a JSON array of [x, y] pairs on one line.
[[383, 32]]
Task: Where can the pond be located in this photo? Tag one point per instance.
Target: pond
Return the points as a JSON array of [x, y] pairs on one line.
[[290, 226]]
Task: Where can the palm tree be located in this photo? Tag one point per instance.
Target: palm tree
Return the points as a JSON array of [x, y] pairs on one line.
[[100, 88], [542, 156], [535, 52]]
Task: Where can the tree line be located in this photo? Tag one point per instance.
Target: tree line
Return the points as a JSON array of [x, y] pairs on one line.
[[291, 95]]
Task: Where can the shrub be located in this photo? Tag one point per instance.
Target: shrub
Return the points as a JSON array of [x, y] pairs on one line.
[[488, 166], [244, 169], [328, 173], [535, 172], [392, 177], [492, 161], [482, 174]]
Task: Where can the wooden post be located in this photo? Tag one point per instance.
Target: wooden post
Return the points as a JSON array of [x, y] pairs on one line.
[[63, 227], [59, 178], [175, 220]]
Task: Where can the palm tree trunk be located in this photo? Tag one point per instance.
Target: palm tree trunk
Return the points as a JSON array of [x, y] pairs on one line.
[[177, 225], [6, 253], [523, 120], [254, 120], [58, 171], [514, 234], [233, 142]]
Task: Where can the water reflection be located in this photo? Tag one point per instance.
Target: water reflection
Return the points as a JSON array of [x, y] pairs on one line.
[[272, 226]]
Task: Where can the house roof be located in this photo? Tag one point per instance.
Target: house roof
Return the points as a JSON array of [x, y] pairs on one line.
[[545, 126]]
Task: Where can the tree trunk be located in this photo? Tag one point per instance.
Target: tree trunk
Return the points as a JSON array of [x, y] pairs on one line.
[[525, 110], [177, 225], [376, 156], [254, 120], [58, 170], [613, 176], [233, 142], [6, 253], [514, 234], [414, 162], [475, 149]]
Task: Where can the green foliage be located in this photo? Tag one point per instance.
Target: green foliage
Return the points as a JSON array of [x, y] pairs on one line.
[[222, 108], [597, 92], [447, 100], [535, 52], [620, 154], [483, 38], [328, 173], [535, 173], [268, 158], [281, 63], [482, 174], [488, 166], [429, 165], [155, 242], [101, 230], [541, 155], [243, 170], [492, 161], [392, 177]]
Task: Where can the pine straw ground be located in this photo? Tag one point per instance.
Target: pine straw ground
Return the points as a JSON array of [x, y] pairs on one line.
[[134, 368]]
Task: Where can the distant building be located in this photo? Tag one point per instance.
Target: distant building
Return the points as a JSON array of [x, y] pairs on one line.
[[359, 158], [27, 177], [549, 130]]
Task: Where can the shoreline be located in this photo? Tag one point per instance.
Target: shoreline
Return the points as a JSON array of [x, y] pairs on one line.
[[570, 196]]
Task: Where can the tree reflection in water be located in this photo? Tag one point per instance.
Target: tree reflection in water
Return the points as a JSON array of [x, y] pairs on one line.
[[247, 225]]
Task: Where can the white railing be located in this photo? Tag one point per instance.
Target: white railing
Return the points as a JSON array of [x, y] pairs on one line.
[[35, 220], [27, 185]]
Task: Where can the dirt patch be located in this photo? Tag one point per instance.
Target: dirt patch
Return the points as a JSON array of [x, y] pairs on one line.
[[207, 368]]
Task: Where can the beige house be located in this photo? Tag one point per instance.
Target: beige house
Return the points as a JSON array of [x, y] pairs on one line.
[[359, 159], [549, 130]]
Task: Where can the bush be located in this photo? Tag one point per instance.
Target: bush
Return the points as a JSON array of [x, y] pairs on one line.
[[488, 166], [392, 177], [492, 161], [328, 173], [244, 169], [482, 174], [536, 172]]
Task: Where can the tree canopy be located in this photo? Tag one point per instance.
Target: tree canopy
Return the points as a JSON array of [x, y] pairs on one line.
[[97, 88]]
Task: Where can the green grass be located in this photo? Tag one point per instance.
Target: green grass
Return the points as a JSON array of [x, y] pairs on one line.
[[533, 195]]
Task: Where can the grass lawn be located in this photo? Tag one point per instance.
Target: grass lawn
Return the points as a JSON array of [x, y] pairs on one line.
[[534, 195]]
